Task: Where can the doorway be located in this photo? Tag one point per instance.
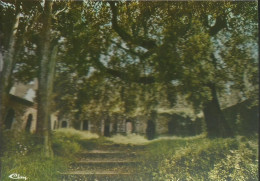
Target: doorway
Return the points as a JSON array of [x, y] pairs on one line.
[[107, 128], [29, 123], [9, 119], [85, 125], [64, 124]]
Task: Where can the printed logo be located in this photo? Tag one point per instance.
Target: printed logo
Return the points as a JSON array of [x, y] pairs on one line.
[[17, 176]]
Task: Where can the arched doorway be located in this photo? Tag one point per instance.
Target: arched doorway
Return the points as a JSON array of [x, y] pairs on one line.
[[9, 119], [115, 127], [85, 125], [129, 127], [29, 123], [64, 124], [150, 130], [107, 128]]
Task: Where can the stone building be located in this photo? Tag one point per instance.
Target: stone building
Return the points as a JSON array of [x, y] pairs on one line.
[[22, 115], [22, 108], [166, 122]]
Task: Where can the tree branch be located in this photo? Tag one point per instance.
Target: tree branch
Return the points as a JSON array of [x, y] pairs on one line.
[[123, 75], [220, 24], [141, 55], [140, 41]]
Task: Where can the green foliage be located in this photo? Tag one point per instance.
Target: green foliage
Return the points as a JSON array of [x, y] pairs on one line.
[[23, 156], [130, 139], [239, 165], [35, 167], [158, 151], [65, 143], [107, 53], [19, 143], [202, 159]]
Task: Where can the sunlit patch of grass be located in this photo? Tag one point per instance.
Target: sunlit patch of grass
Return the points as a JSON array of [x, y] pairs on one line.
[[80, 134], [203, 135], [133, 139]]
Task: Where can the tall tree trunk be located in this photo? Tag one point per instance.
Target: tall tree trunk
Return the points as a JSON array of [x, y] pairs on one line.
[[216, 123], [46, 74], [8, 64]]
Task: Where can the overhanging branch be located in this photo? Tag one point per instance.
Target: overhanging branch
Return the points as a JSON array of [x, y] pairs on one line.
[[140, 41], [140, 55], [220, 24], [123, 75]]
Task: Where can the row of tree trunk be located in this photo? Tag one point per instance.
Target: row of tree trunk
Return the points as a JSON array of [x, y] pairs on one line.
[[47, 61]]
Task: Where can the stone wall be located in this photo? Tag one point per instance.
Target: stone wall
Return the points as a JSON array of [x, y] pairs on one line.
[[24, 116]]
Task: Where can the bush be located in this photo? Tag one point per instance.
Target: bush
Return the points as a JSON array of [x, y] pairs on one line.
[[160, 150], [67, 142], [75, 134], [195, 161], [239, 165], [23, 156], [201, 159], [34, 166]]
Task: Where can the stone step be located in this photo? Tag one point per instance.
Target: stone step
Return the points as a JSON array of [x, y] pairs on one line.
[[109, 163], [103, 164], [106, 154], [99, 175], [103, 151], [96, 172], [107, 159], [119, 147]]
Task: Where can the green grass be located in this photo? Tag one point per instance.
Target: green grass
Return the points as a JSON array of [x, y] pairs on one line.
[[201, 159], [132, 139], [34, 166], [70, 132], [23, 156], [192, 158], [165, 158]]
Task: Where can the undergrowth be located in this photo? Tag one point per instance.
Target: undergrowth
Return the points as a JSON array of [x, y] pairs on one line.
[[23, 156], [165, 159], [201, 159]]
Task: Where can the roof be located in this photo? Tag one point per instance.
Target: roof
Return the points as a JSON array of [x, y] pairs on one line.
[[25, 91], [21, 100]]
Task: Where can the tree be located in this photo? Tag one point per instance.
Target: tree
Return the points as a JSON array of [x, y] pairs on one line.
[[213, 71], [184, 51], [13, 28], [8, 58], [6, 67], [17, 20], [163, 43], [24, 45]]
